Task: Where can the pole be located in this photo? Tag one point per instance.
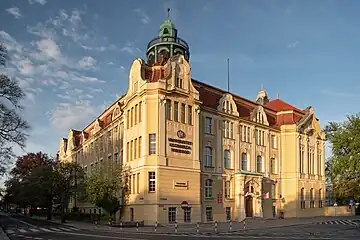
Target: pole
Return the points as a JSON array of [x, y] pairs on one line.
[[216, 230], [137, 226], [155, 226], [176, 227], [197, 227], [230, 226], [228, 74]]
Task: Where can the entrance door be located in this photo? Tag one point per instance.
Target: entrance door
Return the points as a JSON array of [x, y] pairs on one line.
[[249, 206], [131, 214]]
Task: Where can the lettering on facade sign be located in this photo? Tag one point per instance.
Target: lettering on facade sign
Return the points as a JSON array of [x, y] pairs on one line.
[[180, 146]]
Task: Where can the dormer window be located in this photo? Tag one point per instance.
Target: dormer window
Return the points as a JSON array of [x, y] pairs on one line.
[[178, 82], [166, 31], [227, 107]]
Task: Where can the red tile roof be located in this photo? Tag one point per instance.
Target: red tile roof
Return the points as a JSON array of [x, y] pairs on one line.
[[279, 105]]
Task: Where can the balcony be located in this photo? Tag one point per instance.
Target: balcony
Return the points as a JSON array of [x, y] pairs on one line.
[[176, 40]]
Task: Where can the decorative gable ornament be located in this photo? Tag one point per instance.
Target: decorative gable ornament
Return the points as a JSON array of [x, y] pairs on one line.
[[258, 115], [227, 105]]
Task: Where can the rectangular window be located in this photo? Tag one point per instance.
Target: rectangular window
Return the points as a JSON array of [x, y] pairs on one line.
[[177, 82], [132, 150], [240, 133], [273, 165], [190, 115], [257, 137], [176, 111], [128, 151], [182, 113], [135, 148], [273, 141], [152, 185], [248, 139], [136, 114], [209, 214], [138, 183], [187, 214], [140, 105], [231, 130], [133, 187], [152, 143], [228, 213], [208, 125], [128, 119], [139, 148], [172, 214], [168, 110], [132, 117], [227, 189], [129, 181], [116, 158]]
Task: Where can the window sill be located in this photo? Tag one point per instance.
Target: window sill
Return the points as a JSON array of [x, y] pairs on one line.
[[209, 198]]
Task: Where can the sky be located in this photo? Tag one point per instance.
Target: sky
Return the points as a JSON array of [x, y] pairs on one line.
[[72, 58]]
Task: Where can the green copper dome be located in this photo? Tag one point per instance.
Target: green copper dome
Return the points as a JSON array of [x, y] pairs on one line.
[[166, 45]]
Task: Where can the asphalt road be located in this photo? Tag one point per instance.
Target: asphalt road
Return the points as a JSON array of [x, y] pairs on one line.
[[23, 228]]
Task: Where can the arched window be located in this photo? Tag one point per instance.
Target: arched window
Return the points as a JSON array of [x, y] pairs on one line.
[[312, 202], [208, 156], [320, 198], [259, 164], [302, 198], [208, 188], [166, 31], [243, 162], [227, 159]]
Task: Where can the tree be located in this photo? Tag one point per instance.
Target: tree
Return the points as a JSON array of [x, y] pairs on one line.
[[343, 167], [69, 179], [109, 191], [12, 126], [33, 173]]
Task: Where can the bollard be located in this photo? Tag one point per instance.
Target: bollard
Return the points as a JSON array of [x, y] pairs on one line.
[[176, 227], [215, 228], [244, 224], [230, 225], [155, 226], [137, 226], [197, 227], [121, 225]]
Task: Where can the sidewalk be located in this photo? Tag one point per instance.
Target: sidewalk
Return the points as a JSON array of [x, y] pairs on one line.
[[222, 227]]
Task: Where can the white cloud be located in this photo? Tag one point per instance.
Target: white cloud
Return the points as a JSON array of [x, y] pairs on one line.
[[10, 43], [15, 12], [144, 18], [42, 2], [48, 48], [87, 63], [129, 48], [339, 94], [25, 67], [66, 116], [293, 44]]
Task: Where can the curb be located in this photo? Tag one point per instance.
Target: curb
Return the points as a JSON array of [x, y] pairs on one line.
[[3, 235]]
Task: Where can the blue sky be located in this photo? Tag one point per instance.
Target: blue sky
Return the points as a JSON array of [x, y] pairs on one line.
[[72, 57]]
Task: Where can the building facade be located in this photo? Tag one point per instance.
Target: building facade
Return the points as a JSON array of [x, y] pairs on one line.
[[199, 153]]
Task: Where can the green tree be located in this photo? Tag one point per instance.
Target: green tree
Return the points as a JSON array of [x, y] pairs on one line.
[[343, 167], [68, 183], [13, 127], [109, 191]]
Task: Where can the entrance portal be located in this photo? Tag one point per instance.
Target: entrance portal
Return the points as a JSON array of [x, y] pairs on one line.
[[249, 206]]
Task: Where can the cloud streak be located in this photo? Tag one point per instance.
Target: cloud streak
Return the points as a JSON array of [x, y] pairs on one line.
[[144, 18], [15, 12], [339, 94]]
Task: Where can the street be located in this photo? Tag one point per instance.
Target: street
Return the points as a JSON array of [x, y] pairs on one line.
[[21, 228]]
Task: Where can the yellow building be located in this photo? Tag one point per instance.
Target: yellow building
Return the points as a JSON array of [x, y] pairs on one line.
[[199, 153]]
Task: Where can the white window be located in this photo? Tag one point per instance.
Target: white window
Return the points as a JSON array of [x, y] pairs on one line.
[[187, 214], [227, 189], [273, 165], [259, 166], [208, 188], [244, 161], [227, 159], [152, 184], [273, 141], [172, 214], [168, 110], [189, 115], [208, 156], [209, 214], [176, 111], [152, 143], [208, 125]]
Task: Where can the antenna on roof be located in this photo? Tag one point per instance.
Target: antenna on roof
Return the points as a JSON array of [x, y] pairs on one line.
[[228, 74], [262, 86], [277, 95]]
